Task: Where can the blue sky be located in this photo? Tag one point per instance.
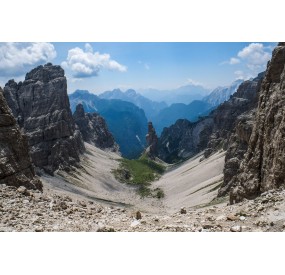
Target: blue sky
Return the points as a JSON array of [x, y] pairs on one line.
[[98, 67]]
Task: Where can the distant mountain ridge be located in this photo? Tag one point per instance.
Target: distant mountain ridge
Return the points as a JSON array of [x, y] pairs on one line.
[[126, 121], [151, 108], [184, 139], [184, 94], [171, 114], [222, 94]]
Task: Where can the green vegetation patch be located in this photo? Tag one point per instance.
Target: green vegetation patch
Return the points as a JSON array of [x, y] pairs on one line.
[[141, 172]]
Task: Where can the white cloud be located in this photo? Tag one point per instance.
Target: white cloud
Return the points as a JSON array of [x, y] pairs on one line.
[[86, 63], [234, 61], [18, 58], [255, 56]]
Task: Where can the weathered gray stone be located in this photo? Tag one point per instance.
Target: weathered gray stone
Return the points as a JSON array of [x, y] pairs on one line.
[[41, 106], [263, 167], [94, 129], [152, 140], [16, 168]]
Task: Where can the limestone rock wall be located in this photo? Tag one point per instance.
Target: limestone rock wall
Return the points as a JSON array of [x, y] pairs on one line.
[[16, 168], [41, 107]]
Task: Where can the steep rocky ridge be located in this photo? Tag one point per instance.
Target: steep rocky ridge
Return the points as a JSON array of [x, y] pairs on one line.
[[184, 139], [238, 145], [225, 116], [263, 167], [151, 139], [40, 105], [211, 133], [126, 122], [16, 168], [94, 130], [222, 94]]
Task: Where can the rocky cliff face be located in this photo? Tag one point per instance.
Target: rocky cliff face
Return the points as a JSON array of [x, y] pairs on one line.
[[225, 116], [212, 133], [126, 122], [184, 139], [263, 167], [40, 105], [16, 168], [94, 129], [238, 145], [151, 140], [240, 131]]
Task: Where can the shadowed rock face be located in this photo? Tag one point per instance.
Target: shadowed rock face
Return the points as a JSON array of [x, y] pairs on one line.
[[263, 167], [94, 129], [151, 139], [212, 133], [184, 139], [225, 117], [16, 168], [41, 106]]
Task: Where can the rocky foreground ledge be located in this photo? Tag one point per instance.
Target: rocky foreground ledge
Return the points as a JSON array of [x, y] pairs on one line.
[[26, 210]]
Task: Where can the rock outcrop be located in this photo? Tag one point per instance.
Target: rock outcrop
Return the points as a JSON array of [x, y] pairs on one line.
[[225, 117], [94, 130], [184, 139], [151, 140], [41, 106], [238, 145], [16, 168], [238, 141], [263, 167], [126, 122], [211, 133]]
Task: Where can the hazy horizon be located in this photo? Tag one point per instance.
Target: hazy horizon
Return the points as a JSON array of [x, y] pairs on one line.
[[99, 67]]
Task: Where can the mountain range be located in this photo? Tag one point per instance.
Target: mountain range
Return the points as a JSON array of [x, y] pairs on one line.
[[126, 121], [186, 102], [184, 94], [151, 108], [231, 179], [222, 94]]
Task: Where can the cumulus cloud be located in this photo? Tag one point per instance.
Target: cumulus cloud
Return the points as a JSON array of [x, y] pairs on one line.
[[18, 58], [255, 55], [87, 63]]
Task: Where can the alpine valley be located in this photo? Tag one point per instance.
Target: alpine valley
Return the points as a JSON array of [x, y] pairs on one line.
[[191, 158]]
